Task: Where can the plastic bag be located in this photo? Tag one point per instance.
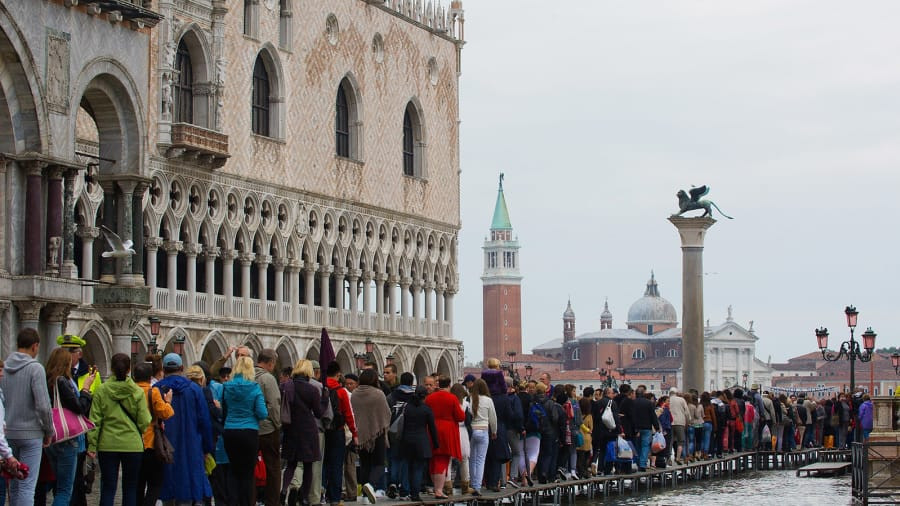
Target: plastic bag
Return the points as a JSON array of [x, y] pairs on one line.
[[608, 418], [659, 442], [766, 433], [623, 449]]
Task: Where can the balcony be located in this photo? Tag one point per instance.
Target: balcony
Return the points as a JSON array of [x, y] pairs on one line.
[[198, 145], [122, 10]]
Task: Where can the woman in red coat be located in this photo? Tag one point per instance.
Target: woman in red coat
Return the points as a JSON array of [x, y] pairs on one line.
[[447, 415]]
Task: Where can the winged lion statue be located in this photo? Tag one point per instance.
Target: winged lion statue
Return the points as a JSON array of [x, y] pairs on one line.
[[694, 201]]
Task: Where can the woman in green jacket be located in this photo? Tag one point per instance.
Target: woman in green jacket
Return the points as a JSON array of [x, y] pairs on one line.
[[120, 413]]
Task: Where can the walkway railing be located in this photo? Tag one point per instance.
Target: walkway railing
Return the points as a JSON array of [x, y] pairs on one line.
[[876, 472]]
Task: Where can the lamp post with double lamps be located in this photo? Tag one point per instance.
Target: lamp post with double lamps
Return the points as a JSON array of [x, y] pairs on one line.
[[609, 382], [529, 369], [849, 350]]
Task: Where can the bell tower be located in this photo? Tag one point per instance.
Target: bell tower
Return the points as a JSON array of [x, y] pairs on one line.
[[502, 286], [568, 323]]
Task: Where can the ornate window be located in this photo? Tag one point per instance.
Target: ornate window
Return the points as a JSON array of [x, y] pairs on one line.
[[576, 354], [342, 124], [408, 154], [184, 85], [260, 98], [413, 142], [638, 354]]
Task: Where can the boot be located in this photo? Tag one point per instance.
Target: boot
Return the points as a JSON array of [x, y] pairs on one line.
[[465, 488], [293, 498], [448, 488]]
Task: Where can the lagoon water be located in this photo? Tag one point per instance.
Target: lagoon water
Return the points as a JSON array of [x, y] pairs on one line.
[[757, 488]]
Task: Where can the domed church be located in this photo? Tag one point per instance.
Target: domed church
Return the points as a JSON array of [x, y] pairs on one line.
[[650, 346]]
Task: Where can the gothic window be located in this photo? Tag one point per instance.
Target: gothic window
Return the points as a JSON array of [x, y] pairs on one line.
[[576, 354], [260, 98], [413, 142], [638, 354], [342, 124], [673, 353], [408, 154], [184, 85]]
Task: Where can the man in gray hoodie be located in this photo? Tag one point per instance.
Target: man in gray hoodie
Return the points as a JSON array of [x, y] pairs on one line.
[[29, 425]]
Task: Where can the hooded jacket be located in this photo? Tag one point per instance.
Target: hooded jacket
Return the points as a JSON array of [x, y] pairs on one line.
[[243, 404], [24, 386], [190, 432], [120, 413]]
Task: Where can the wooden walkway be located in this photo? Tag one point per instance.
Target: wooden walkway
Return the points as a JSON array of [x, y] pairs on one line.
[[824, 468]]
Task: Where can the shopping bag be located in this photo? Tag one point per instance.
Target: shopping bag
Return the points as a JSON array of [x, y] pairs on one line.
[[259, 472], [608, 419], [659, 443], [623, 449]]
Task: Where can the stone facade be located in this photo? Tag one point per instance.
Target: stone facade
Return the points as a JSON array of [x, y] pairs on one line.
[[245, 233]]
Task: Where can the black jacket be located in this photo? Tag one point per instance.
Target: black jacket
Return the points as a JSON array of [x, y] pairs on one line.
[[601, 434], [419, 436], [626, 417], [644, 414], [69, 398]]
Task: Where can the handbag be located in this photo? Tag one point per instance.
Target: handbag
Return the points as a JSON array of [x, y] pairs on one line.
[[608, 419], [66, 423], [259, 472], [162, 447]]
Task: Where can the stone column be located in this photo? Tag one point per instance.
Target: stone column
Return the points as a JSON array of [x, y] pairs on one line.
[[439, 302], [7, 344], [353, 280], [246, 258], [416, 289], [366, 292], [191, 250], [404, 296], [309, 297], [392, 295], [262, 269], [56, 323], [228, 257], [279, 287], [69, 269], [429, 288], [210, 253], [339, 273], [54, 219], [296, 266], [87, 234], [380, 278], [108, 265], [126, 230], [4, 244], [448, 311], [153, 245], [172, 248], [137, 231], [29, 313], [33, 212], [692, 232], [324, 285]]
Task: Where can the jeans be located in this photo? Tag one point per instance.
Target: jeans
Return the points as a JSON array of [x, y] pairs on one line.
[[109, 476], [64, 459], [477, 456], [809, 436], [411, 468], [29, 452], [333, 465], [150, 482], [689, 446], [399, 470], [642, 444], [707, 431], [517, 466], [547, 458]]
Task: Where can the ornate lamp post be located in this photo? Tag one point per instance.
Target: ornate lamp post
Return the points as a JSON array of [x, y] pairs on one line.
[[513, 373], [360, 361], [154, 333], [895, 361], [529, 370], [135, 348], [849, 349], [609, 382], [178, 346], [744, 377]]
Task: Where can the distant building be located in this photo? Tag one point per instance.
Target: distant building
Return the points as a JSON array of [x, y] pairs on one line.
[[812, 374]]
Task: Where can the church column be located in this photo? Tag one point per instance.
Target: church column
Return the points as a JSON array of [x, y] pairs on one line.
[[128, 188], [33, 212], [429, 288], [448, 300], [56, 324], [88, 234], [228, 257], [353, 280], [324, 285], [172, 248], [246, 259], [416, 297], [404, 296], [137, 231], [309, 297], [54, 219], [392, 297], [439, 302], [339, 273], [294, 268], [191, 250], [279, 265], [29, 313], [210, 254], [69, 269], [4, 195], [262, 269]]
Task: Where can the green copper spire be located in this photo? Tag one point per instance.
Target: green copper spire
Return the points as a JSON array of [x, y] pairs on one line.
[[501, 214]]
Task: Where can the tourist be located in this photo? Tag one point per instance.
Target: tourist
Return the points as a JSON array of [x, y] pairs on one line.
[[574, 418], [821, 418], [306, 409], [545, 379], [6, 457], [681, 417], [664, 414], [484, 427], [709, 425], [223, 487], [418, 440], [809, 433], [373, 417], [270, 427], [603, 435], [695, 427], [586, 428], [150, 481], [749, 422], [498, 453], [447, 414], [244, 408], [645, 421], [390, 376], [190, 432], [514, 433], [335, 442], [866, 418], [465, 427], [399, 480], [81, 371], [842, 407], [63, 455], [29, 426], [430, 383], [120, 415]]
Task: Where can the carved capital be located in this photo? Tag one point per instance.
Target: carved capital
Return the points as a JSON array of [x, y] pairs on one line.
[[151, 243], [211, 252], [340, 271], [191, 249], [367, 277], [405, 282], [173, 247], [246, 257], [326, 270], [58, 313], [88, 232], [263, 261], [229, 255], [440, 288], [295, 265], [381, 277], [354, 274], [30, 310], [279, 263], [429, 285], [310, 267], [122, 320]]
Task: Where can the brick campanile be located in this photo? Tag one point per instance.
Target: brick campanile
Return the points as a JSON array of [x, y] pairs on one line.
[[502, 281]]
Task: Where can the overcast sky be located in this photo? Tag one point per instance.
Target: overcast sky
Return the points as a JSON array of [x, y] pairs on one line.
[[599, 111]]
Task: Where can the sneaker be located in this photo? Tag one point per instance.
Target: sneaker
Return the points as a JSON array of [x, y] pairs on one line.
[[392, 491], [369, 492], [573, 475], [512, 484], [379, 494], [561, 474]]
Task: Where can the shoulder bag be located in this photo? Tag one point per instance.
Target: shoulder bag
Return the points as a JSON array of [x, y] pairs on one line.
[[66, 423], [162, 447], [608, 419]]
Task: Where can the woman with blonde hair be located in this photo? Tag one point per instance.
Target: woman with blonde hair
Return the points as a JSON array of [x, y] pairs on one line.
[[484, 427], [243, 406], [298, 446]]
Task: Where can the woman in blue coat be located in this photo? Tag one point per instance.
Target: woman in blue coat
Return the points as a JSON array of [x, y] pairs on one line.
[[243, 406]]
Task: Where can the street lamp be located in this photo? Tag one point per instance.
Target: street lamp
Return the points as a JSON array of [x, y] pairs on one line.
[[513, 373], [389, 360], [178, 346], [370, 346], [135, 348], [154, 332], [360, 361], [529, 370], [849, 350], [744, 377]]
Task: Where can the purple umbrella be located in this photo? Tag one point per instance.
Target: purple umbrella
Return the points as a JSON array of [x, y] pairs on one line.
[[326, 354]]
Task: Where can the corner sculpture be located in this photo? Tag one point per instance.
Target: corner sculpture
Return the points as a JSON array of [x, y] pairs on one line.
[[694, 202]]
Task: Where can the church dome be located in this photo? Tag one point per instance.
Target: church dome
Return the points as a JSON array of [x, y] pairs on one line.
[[651, 308]]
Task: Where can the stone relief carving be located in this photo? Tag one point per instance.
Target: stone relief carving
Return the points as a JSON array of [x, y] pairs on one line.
[[58, 71]]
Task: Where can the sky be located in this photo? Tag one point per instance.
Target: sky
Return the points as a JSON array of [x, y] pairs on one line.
[[598, 112]]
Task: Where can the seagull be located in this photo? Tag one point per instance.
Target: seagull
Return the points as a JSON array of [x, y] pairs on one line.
[[119, 249]]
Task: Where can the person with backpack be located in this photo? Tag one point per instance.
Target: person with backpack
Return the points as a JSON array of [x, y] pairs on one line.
[[150, 481], [306, 408], [335, 442], [532, 415], [398, 479], [604, 431], [552, 427]]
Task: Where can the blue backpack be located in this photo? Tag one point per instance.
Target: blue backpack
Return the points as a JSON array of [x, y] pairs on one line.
[[535, 418]]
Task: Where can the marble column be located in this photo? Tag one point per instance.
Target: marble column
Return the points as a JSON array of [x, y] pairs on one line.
[[210, 253], [325, 285], [246, 258], [33, 212], [279, 264], [404, 296], [416, 289], [309, 297], [448, 301], [439, 302], [692, 232], [429, 289], [353, 281], [366, 292], [172, 248], [295, 268], [126, 228], [137, 232], [380, 279], [7, 345], [262, 270], [228, 257], [69, 269], [191, 250], [88, 234], [392, 295], [4, 244], [339, 273], [29, 313], [153, 245], [54, 219], [56, 324], [108, 265]]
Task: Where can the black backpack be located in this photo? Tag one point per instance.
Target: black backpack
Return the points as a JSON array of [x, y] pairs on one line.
[[723, 412], [801, 412], [337, 419]]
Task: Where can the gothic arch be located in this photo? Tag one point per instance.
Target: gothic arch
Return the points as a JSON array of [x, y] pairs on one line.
[[213, 346], [445, 365], [167, 345], [286, 351], [349, 87], [421, 366], [253, 342], [23, 117], [413, 120], [98, 350], [272, 62], [345, 359], [200, 57], [401, 359]]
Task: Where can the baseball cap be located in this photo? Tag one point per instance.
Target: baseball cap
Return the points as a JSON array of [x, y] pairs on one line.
[[172, 360]]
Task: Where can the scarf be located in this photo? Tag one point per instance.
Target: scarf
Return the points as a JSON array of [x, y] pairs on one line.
[[372, 415]]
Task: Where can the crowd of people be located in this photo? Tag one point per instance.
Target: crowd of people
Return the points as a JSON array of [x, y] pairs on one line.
[[252, 433]]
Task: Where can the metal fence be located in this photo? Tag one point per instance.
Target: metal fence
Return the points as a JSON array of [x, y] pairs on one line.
[[876, 472]]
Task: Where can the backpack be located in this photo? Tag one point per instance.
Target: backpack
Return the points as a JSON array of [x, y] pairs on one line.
[[551, 421], [337, 419], [801, 412], [723, 414], [395, 429], [749, 413], [534, 420]]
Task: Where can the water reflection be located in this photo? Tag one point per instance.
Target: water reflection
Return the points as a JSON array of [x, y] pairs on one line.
[[760, 488]]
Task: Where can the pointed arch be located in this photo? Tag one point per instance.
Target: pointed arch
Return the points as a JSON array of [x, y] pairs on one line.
[[286, 351], [98, 350], [348, 118], [194, 62], [401, 359], [23, 117], [414, 139], [268, 93], [421, 365], [445, 365], [213, 346], [253, 342]]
